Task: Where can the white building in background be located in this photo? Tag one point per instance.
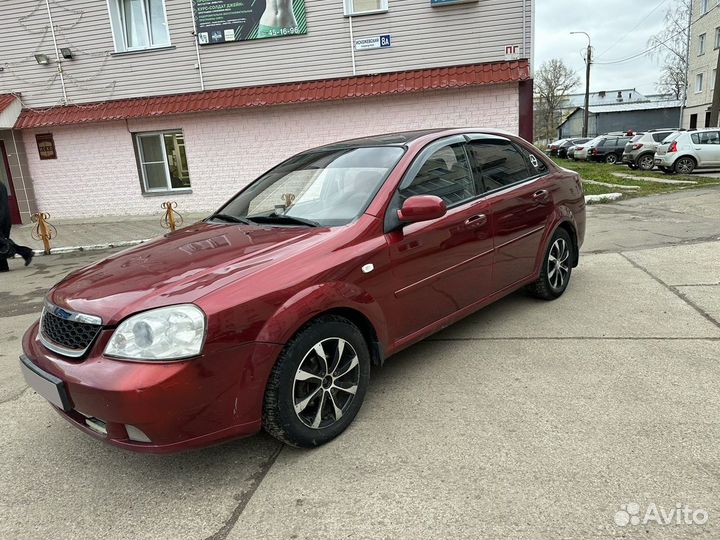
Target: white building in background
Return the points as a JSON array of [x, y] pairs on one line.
[[702, 72]]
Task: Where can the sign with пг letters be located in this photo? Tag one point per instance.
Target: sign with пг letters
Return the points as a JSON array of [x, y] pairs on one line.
[[224, 21], [374, 42]]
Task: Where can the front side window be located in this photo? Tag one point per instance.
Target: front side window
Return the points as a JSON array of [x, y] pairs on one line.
[[139, 24], [699, 83], [328, 187], [365, 7], [162, 161], [445, 174], [498, 163]]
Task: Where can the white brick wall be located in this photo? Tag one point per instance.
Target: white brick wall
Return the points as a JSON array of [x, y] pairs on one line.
[[96, 173]]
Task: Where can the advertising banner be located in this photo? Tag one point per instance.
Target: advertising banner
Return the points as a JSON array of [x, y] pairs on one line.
[[223, 21]]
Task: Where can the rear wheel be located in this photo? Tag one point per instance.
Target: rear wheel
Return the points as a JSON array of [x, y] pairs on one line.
[[318, 383], [667, 170], [556, 268], [632, 165], [646, 162], [685, 165], [611, 158]]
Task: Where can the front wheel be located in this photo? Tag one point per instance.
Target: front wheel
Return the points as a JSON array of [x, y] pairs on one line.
[[667, 170], [318, 383], [556, 268]]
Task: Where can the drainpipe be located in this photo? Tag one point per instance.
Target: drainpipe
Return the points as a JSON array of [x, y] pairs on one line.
[[57, 54], [197, 45], [524, 30], [352, 45], [687, 68]]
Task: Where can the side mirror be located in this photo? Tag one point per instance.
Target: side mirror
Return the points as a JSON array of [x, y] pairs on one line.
[[422, 208]]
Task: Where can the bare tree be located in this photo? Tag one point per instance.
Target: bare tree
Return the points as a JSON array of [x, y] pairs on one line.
[[669, 45], [553, 82]]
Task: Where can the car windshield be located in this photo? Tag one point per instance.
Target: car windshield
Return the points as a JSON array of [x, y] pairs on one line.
[[326, 187]]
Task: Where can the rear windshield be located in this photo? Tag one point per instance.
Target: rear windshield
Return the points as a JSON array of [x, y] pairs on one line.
[[670, 138], [636, 138]]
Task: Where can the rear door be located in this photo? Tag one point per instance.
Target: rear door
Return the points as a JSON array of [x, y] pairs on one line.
[[443, 265], [520, 204], [707, 147]]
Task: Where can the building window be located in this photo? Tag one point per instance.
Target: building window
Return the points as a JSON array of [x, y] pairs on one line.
[[699, 83], [717, 37], [162, 161], [701, 44], [703, 7], [139, 24], [365, 7], [713, 79], [693, 121]]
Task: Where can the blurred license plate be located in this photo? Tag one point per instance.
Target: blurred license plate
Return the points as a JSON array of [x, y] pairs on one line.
[[45, 384]]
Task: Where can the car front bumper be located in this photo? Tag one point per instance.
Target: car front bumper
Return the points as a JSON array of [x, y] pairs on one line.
[[156, 407]]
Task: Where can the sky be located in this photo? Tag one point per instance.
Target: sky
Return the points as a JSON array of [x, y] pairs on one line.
[[617, 28]]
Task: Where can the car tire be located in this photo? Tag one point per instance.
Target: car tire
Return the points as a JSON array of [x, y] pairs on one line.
[[611, 159], [310, 399], [684, 165], [667, 170], [646, 162], [632, 166], [554, 277]]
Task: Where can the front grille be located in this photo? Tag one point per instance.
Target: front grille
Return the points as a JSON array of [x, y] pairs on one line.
[[72, 335]]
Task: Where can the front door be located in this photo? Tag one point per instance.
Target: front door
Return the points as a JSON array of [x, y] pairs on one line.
[[707, 147], [443, 265], [520, 205], [6, 178]]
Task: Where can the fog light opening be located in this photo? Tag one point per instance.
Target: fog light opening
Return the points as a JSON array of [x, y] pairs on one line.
[[98, 426], [135, 434]]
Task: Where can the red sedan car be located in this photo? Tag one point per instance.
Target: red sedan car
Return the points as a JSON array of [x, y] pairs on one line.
[[269, 313]]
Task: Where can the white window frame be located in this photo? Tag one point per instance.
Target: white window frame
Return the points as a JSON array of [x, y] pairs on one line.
[[348, 9], [699, 77], [141, 160], [118, 26], [704, 7], [702, 38]]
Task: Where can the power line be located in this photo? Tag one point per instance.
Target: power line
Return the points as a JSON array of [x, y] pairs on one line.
[[634, 27], [661, 43]]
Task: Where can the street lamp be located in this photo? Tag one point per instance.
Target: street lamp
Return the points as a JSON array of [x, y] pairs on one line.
[[588, 61]]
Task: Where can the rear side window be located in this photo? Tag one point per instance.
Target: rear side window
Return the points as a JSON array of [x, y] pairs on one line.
[[445, 174], [670, 138], [706, 137], [622, 142], [498, 163], [660, 136]]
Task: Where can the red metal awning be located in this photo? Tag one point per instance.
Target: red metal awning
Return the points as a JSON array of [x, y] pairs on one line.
[[6, 100], [279, 94]]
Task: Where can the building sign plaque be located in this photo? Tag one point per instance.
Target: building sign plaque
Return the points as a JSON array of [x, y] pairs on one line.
[[374, 42], [46, 146]]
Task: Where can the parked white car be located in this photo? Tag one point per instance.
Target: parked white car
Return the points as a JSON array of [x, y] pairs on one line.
[[685, 151], [581, 150]]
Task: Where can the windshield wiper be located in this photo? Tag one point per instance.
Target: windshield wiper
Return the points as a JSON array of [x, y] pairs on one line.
[[282, 218], [229, 218]]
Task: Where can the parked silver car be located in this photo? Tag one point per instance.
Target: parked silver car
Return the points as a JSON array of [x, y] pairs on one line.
[[685, 151], [581, 150], [640, 151]]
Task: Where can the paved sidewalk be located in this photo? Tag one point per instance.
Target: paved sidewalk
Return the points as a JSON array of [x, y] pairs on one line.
[[98, 233]]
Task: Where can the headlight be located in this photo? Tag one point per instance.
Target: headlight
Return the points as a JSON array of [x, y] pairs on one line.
[[168, 333]]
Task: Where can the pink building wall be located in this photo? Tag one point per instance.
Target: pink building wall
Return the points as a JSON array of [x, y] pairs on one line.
[[96, 172]]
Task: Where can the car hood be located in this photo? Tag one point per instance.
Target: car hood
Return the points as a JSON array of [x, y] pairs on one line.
[[177, 268]]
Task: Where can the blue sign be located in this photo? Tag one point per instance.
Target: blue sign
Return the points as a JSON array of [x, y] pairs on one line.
[[385, 41]]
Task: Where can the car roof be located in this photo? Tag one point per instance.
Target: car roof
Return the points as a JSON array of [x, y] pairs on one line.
[[399, 138]]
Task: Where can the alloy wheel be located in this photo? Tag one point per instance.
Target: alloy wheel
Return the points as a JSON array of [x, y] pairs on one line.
[[685, 166], [646, 163], [326, 382], [611, 158], [558, 268]]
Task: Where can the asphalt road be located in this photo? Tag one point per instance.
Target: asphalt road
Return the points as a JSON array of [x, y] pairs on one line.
[[528, 419]]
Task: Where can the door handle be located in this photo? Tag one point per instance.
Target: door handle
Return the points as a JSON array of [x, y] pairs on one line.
[[542, 195], [477, 220]]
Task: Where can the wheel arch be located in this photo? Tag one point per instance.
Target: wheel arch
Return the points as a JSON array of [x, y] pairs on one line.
[[342, 299], [569, 227]]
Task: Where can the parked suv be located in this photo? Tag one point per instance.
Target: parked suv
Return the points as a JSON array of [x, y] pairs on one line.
[[608, 149], [640, 151], [686, 151]]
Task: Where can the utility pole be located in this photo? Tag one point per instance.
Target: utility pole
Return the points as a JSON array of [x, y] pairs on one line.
[[715, 107], [588, 62]]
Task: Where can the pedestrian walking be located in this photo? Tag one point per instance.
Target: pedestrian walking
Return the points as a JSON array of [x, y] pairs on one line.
[[8, 248]]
